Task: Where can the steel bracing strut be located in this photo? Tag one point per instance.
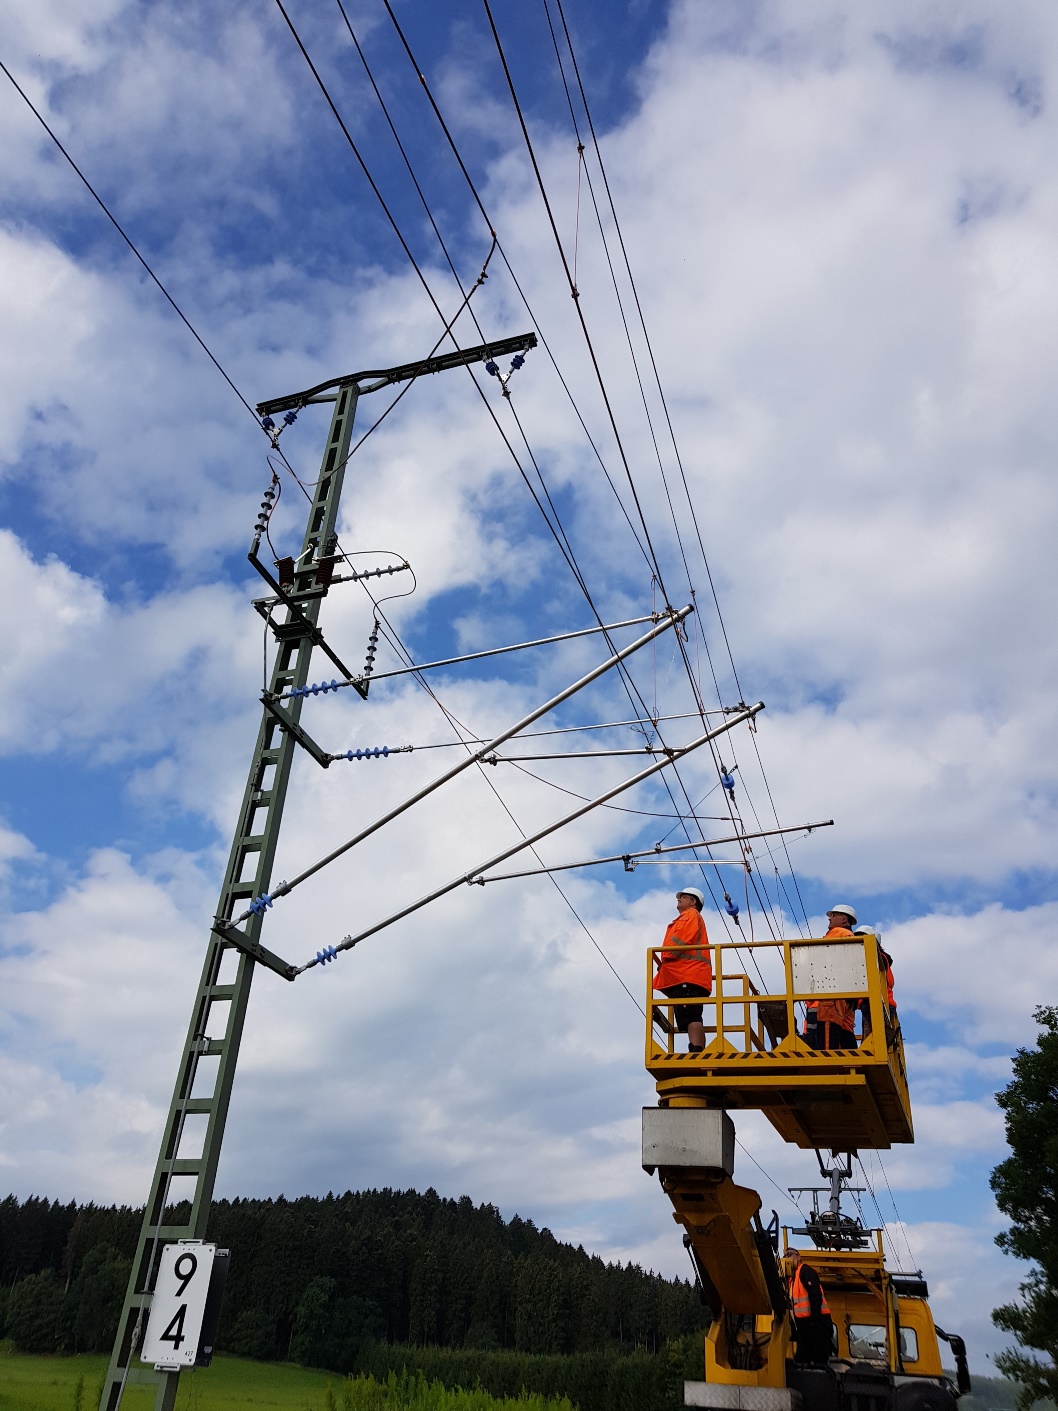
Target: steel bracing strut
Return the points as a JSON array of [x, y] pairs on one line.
[[203, 1089]]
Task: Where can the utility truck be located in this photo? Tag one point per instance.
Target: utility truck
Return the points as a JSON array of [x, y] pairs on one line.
[[886, 1354]]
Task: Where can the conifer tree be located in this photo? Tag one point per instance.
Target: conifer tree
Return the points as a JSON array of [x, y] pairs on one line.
[[1026, 1188]]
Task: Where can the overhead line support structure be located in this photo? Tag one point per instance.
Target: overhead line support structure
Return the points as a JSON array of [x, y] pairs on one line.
[[219, 1010]]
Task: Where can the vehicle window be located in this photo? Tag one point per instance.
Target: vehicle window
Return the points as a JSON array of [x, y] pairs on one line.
[[867, 1342], [909, 1344]]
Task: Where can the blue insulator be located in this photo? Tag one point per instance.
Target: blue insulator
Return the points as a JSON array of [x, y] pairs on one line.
[[492, 369], [327, 953], [260, 904], [290, 418], [268, 423], [728, 781], [517, 360], [731, 907]]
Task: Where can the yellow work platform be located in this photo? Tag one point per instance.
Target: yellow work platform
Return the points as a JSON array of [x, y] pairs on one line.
[[755, 1054]]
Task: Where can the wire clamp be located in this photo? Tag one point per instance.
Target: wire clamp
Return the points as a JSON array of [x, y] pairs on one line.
[[493, 370]]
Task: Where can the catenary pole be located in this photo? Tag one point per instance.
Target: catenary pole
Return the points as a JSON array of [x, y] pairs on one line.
[[181, 1190]]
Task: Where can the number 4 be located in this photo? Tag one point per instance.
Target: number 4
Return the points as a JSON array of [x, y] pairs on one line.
[[174, 1333]]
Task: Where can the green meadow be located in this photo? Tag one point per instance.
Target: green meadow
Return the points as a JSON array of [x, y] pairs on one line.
[[74, 1384]]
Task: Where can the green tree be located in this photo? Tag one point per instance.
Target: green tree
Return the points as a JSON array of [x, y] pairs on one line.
[[316, 1336], [1026, 1189], [92, 1307], [33, 1308]]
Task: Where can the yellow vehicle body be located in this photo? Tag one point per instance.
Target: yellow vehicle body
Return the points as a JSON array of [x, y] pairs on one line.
[[886, 1354], [873, 1324]]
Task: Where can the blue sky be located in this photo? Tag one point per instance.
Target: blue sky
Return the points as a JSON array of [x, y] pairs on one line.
[[842, 224]]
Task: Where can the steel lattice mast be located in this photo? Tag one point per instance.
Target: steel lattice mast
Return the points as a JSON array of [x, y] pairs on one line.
[[219, 1011]]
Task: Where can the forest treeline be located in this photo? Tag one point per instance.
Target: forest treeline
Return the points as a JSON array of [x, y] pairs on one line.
[[333, 1282]]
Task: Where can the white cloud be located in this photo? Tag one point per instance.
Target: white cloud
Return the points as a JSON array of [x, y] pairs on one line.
[[842, 221]]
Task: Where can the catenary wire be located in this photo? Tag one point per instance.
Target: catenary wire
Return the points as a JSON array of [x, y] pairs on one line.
[[631, 483], [128, 241], [481, 207], [566, 554], [663, 399], [765, 908]]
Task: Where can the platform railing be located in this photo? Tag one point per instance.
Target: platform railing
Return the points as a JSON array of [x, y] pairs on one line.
[[763, 1011]]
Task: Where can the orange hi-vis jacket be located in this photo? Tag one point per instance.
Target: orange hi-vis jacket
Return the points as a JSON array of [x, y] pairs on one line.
[[802, 1306], [889, 984], [841, 1012], [688, 934]]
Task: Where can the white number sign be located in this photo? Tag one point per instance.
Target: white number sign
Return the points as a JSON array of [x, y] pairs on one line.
[[175, 1323]]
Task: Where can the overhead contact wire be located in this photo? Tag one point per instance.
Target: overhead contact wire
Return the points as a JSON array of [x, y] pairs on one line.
[[575, 295], [661, 394], [129, 242]]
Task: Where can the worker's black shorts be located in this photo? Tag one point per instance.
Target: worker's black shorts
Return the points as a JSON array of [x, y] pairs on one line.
[[830, 1036], [686, 1013]]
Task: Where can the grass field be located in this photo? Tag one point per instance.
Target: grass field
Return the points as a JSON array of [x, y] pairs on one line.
[[75, 1383], [50, 1384]]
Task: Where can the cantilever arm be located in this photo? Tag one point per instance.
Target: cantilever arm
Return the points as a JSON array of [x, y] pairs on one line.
[[669, 619], [473, 876]]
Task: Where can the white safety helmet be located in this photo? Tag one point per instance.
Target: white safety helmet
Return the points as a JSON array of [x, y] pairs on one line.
[[845, 910], [692, 892]]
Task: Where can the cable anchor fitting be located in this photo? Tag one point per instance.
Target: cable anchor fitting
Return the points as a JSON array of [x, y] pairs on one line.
[[274, 432], [493, 370]]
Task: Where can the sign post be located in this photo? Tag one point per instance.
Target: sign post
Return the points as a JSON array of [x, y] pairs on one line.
[[175, 1328]]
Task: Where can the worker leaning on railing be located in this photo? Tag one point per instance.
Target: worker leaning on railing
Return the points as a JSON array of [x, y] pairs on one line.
[[885, 961], [686, 972], [831, 1023]]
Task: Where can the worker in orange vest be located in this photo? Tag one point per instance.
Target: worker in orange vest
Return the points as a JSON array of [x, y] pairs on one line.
[[686, 972], [831, 1023], [886, 962], [813, 1325]]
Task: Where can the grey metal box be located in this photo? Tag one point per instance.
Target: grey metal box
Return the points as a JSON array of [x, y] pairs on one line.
[[702, 1138], [718, 1396], [834, 967]]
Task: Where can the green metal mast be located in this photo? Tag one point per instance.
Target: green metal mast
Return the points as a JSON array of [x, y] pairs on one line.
[[203, 1088]]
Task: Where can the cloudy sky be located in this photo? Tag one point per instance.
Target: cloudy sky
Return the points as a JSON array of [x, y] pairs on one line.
[[842, 224]]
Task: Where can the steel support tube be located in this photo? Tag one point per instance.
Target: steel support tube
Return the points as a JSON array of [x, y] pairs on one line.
[[655, 852], [492, 651], [670, 619], [471, 877]]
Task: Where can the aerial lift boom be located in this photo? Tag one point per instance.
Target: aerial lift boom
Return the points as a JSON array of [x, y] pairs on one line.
[[886, 1353]]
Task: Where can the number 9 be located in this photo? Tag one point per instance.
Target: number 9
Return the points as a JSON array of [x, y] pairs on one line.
[[185, 1276]]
